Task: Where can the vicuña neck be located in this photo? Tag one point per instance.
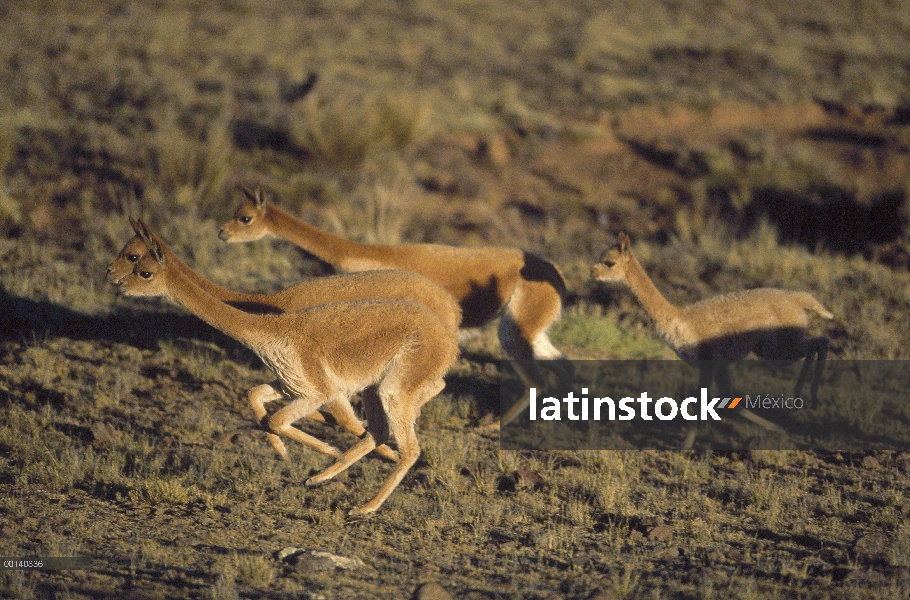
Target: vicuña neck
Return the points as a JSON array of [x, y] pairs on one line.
[[333, 250], [182, 288], [658, 307], [213, 289]]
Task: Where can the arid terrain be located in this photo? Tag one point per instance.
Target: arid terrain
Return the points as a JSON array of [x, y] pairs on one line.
[[739, 144]]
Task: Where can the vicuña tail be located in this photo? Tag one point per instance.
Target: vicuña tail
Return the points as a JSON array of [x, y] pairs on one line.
[[808, 302]]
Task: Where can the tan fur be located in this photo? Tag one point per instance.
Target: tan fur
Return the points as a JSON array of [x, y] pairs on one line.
[[324, 354], [402, 285], [525, 289], [771, 323]]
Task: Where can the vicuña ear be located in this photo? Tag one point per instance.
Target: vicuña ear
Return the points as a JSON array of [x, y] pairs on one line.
[[624, 243], [151, 243], [134, 225], [260, 197], [250, 195], [256, 195]]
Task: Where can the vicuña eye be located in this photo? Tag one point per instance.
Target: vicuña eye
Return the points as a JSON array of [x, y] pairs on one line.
[[609, 264], [132, 257], [145, 274], [246, 220]]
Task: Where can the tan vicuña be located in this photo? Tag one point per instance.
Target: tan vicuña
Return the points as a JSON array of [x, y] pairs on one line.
[[325, 354], [771, 323], [524, 289], [403, 285]]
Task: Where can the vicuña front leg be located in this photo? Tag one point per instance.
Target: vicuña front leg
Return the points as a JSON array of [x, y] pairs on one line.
[[817, 352], [257, 398], [533, 307]]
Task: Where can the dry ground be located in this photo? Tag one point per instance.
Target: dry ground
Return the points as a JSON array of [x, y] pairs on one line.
[[741, 144]]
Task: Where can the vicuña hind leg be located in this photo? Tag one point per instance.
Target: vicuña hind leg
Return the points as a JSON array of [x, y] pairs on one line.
[[533, 307], [706, 371], [402, 415], [402, 410], [377, 423], [376, 405], [725, 390]]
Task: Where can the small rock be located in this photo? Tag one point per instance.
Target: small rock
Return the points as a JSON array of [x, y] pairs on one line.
[[230, 438], [284, 553], [316, 560], [870, 462], [432, 591]]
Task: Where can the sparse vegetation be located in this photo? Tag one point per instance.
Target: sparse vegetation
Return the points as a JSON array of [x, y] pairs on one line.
[[741, 144]]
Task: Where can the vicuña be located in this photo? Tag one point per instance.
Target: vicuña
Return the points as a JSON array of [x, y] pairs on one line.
[[402, 285], [524, 289], [325, 354], [771, 323]]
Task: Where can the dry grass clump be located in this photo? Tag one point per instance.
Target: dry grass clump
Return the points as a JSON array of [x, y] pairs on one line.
[[192, 176], [342, 127]]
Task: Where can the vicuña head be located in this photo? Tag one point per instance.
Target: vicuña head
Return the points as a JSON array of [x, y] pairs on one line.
[[128, 257], [249, 221], [146, 278], [614, 261]]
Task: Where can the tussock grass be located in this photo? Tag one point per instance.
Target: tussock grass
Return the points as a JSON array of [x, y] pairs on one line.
[[342, 128]]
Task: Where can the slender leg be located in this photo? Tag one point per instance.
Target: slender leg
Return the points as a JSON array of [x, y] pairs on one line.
[[521, 353], [533, 307], [705, 378], [817, 352], [257, 398], [343, 413], [281, 424], [378, 407], [364, 446], [725, 387], [402, 414]]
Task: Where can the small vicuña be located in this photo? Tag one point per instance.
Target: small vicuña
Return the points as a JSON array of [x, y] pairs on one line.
[[325, 354], [524, 289], [771, 323]]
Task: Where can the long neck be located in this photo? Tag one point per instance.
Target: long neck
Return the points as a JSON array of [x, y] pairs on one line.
[[221, 293], [658, 307], [182, 288], [333, 250]]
